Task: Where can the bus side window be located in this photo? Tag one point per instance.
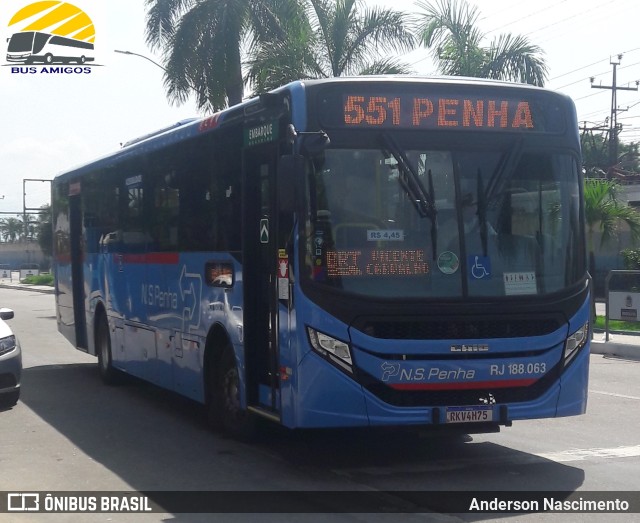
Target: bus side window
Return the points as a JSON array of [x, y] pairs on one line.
[[163, 226], [194, 216], [226, 192], [99, 197]]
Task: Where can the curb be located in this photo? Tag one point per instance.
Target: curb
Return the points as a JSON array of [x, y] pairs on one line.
[[24, 287], [624, 333], [619, 350]]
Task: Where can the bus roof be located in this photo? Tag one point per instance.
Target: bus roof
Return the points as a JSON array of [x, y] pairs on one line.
[[193, 127]]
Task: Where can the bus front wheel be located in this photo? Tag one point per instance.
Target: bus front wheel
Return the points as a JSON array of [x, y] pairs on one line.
[[225, 409], [108, 373], [48, 58]]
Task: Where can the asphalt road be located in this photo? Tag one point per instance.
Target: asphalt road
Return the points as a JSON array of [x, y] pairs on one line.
[[71, 433]]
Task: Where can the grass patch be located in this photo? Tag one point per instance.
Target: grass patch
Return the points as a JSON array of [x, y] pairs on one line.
[[617, 325], [40, 279]]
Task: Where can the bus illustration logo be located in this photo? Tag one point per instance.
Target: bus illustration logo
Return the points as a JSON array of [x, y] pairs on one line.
[[50, 32]]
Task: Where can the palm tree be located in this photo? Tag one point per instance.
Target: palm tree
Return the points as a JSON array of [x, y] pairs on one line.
[[11, 229], [28, 225], [203, 42], [45, 231], [450, 28], [604, 212], [336, 38]]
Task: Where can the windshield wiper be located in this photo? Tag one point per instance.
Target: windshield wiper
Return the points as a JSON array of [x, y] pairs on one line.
[[507, 165], [424, 201], [409, 179]]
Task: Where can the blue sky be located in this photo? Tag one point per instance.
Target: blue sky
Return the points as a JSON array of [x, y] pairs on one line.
[[54, 122]]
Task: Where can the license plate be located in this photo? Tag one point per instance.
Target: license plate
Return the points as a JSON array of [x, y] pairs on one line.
[[469, 414]]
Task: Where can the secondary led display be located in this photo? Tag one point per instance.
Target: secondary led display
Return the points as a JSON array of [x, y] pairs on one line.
[[376, 262]]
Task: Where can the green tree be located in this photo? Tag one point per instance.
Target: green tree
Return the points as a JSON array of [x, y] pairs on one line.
[[335, 38], [595, 155], [450, 29], [45, 231], [604, 212], [28, 225], [11, 229], [203, 41]]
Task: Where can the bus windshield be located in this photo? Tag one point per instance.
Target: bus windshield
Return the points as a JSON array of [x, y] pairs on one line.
[[21, 43], [490, 223]]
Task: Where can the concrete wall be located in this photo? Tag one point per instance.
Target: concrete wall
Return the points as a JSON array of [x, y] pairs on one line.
[[19, 253]]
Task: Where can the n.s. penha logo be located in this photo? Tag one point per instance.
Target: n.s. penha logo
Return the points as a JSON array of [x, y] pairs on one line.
[[48, 33]]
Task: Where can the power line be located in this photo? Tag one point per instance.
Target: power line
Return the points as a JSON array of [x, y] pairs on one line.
[[568, 18], [552, 6], [576, 70]]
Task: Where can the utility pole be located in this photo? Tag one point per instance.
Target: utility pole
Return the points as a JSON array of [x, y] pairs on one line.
[[613, 130], [595, 164]]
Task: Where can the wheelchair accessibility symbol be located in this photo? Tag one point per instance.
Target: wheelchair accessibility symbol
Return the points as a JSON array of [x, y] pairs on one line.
[[480, 267]]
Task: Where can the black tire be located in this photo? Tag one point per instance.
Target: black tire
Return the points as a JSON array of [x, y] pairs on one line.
[[9, 399], [224, 409], [48, 59], [109, 375]]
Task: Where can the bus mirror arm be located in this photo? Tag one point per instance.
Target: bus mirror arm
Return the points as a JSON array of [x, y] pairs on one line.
[[290, 170]]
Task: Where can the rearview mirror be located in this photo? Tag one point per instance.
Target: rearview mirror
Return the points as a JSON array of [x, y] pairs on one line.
[[314, 144], [6, 314], [290, 171]]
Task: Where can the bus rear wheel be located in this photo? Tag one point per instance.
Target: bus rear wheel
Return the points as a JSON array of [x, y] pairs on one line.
[[225, 409]]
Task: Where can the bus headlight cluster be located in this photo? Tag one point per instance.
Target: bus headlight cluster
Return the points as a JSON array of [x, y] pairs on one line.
[[336, 351], [575, 342], [7, 344]]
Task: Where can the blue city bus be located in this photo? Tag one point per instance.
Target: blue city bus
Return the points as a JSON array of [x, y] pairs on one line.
[[380, 251]]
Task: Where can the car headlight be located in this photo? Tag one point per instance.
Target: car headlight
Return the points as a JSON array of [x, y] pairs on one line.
[[575, 342], [334, 350], [7, 344]]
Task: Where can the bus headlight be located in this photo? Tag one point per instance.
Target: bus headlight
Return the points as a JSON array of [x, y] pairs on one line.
[[575, 342], [7, 344], [336, 351]]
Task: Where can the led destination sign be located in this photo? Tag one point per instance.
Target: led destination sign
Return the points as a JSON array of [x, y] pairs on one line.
[[438, 112], [491, 111]]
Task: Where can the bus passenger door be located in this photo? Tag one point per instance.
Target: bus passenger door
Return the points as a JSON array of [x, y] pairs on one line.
[[77, 270], [260, 264]]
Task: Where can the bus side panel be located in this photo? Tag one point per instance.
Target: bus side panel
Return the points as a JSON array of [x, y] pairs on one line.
[[316, 394], [199, 305], [163, 310], [288, 349], [327, 397], [64, 301]]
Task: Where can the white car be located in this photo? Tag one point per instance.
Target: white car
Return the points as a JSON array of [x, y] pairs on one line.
[[10, 362]]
